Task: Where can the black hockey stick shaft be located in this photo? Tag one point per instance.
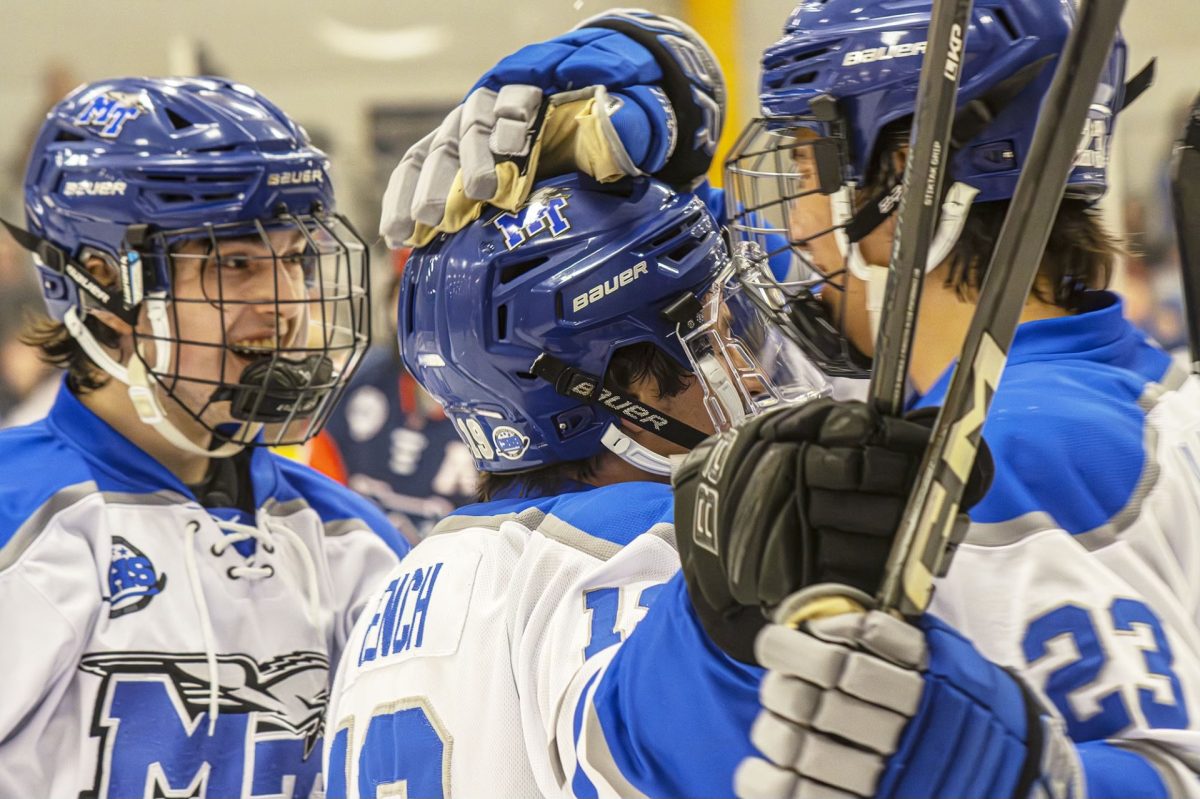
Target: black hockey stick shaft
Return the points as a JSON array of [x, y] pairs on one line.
[[929, 520], [1185, 197], [921, 201]]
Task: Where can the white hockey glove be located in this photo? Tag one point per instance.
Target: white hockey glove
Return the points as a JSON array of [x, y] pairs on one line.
[[625, 93], [864, 705]]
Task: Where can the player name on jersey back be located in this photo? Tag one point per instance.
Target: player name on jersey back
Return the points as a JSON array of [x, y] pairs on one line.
[[421, 611]]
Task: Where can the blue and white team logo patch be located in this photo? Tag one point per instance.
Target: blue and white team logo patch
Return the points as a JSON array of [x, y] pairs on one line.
[[132, 579], [509, 442], [110, 111], [544, 212]]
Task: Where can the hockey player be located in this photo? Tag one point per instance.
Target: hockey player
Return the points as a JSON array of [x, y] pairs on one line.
[[173, 594], [1076, 571], [545, 642]]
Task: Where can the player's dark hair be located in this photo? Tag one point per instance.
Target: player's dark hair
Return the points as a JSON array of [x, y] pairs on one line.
[[57, 347], [628, 366], [1080, 254]]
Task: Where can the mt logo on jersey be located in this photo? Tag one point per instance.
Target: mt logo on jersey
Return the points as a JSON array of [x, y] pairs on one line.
[[157, 739]]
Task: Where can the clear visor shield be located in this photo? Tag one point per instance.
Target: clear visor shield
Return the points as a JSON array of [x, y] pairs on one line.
[[264, 323], [742, 346]]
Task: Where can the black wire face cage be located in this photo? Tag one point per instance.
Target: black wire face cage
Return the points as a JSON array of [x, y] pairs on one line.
[[265, 322], [769, 173], [772, 173]]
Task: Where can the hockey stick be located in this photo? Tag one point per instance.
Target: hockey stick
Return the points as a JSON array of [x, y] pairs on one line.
[[929, 520], [925, 172], [1185, 197]]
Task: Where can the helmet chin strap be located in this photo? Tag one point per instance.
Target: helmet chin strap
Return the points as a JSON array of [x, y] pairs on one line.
[[954, 215], [634, 453], [141, 382]]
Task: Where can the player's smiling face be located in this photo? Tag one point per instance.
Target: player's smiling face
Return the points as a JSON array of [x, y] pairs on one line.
[[243, 300]]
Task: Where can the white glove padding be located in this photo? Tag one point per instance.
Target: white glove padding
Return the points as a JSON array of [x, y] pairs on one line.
[[625, 93], [862, 705], [490, 149]]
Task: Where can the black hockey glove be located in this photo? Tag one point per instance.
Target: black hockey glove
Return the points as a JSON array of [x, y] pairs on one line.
[[798, 496]]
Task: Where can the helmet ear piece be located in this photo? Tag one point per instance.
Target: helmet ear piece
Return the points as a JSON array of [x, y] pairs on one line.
[[828, 162]]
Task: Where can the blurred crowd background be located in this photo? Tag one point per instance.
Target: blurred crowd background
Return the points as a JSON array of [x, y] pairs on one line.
[[368, 77]]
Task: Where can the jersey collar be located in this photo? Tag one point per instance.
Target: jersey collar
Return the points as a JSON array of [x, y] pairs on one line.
[[1099, 332], [126, 466]]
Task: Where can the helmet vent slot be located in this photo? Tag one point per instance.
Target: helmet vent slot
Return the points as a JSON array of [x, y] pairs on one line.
[[172, 197], [502, 322], [178, 121], [217, 148], [798, 58], [678, 230], [802, 78], [408, 315], [238, 178], [1005, 21], [684, 249], [513, 271], [166, 177], [221, 196], [67, 135]]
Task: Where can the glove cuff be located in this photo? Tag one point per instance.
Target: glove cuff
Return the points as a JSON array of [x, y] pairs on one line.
[[1052, 768], [699, 113]]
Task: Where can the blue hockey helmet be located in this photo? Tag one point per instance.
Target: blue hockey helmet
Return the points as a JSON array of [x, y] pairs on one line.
[[865, 57], [580, 271], [846, 72], [151, 175]]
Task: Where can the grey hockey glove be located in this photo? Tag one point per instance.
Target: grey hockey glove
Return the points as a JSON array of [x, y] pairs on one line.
[[798, 496], [864, 704], [624, 93]]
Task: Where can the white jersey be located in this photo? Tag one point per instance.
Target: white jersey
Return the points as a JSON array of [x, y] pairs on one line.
[[502, 660], [1081, 569], [132, 616]]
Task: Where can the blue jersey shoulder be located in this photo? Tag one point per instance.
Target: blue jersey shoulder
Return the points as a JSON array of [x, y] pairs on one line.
[[331, 500], [1067, 426], [36, 464], [1068, 440], [616, 513]]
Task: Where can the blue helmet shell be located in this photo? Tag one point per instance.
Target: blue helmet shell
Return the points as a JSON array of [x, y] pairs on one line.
[[867, 55], [580, 271], [167, 153]]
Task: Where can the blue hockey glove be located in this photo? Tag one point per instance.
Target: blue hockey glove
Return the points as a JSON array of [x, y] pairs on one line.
[[625, 93], [863, 705]]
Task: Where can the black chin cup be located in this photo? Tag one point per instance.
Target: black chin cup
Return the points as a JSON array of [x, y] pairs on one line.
[[273, 389], [821, 339]]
